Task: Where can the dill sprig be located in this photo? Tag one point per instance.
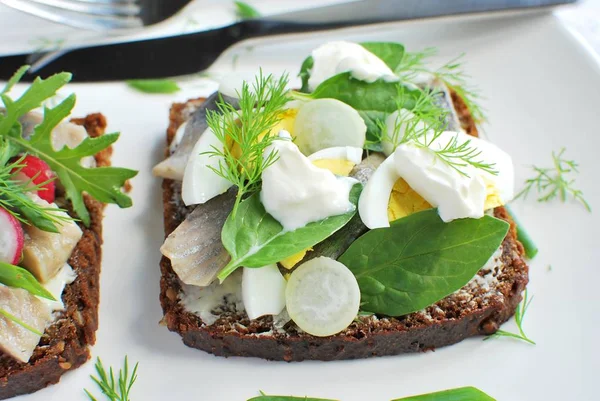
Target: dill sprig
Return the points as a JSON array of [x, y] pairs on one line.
[[245, 133], [13, 197], [452, 73], [553, 182], [425, 125], [114, 388], [519, 315]]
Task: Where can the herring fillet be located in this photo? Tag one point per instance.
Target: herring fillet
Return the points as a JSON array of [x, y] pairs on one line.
[[174, 166], [195, 247]]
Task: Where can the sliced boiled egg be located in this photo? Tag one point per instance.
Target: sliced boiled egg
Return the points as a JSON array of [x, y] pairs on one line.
[[322, 297], [413, 178], [340, 160], [200, 182], [263, 291], [327, 123]]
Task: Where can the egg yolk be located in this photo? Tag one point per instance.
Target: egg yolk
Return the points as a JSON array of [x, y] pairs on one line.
[[293, 260], [336, 166], [405, 201]]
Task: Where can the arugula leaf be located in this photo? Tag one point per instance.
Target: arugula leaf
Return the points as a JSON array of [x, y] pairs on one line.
[[154, 85], [390, 53], [375, 96], [245, 10], [254, 238], [420, 259], [103, 183], [17, 277], [457, 394], [16, 77], [304, 73]]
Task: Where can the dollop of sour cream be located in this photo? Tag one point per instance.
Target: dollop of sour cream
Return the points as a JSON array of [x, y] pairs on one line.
[[455, 195], [296, 192], [336, 57]]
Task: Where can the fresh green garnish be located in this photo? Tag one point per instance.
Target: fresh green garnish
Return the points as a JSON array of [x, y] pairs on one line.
[[154, 85], [245, 11], [519, 316], [14, 199], [103, 183], [555, 182], [254, 238], [457, 394], [531, 249], [431, 259], [18, 321], [264, 397], [245, 133], [17, 277], [452, 73], [114, 388]]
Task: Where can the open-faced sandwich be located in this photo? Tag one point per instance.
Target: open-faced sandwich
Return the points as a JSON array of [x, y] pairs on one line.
[[54, 181], [359, 216]]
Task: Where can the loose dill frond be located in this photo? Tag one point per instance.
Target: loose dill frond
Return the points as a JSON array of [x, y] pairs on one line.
[[245, 133], [13, 197], [452, 73], [519, 316], [554, 182], [114, 388]]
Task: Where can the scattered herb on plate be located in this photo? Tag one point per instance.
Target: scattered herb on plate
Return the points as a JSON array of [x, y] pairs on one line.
[[555, 182], [431, 259], [158, 86], [114, 388], [519, 316], [244, 10], [245, 132]]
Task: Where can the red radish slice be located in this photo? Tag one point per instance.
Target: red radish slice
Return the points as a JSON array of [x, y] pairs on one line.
[[11, 238], [38, 172]]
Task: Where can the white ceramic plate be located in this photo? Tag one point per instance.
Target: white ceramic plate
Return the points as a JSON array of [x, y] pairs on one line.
[[543, 92]]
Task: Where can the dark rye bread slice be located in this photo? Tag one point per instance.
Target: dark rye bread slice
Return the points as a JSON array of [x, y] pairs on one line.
[[478, 308], [65, 344]]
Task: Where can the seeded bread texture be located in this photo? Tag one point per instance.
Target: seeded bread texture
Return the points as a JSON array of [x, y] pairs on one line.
[[479, 308], [65, 344]]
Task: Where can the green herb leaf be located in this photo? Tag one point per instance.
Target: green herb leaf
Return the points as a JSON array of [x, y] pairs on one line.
[[18, 321], [389, 52], [286, 398], [519, 316], [375, 96], [17, 277], [254, 238], [245, 10], [556, 181], [154, 85], [531, 249], [420, 260], [374, 120], [16, 77], [114, 388], [103, 183], [304, 74], [457, 394]]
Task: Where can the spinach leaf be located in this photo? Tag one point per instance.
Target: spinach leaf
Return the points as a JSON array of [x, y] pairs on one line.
[[457, 394], [244, 11], [304, 74], [154, 85], [389, 52], [254, 238], [17, 277], [375, 96], [371, 119], [420, 260]]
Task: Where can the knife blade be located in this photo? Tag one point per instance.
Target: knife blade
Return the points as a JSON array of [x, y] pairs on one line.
[[195, 52]]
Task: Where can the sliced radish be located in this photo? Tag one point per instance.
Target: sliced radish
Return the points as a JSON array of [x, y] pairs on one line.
[[11, 238], [322, 297], [38, 172]]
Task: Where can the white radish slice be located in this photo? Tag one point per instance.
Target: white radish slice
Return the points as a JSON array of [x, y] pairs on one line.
[[350, 153], [11, 238], [322, 297], [327, 123], [263, 291], [200, 183]]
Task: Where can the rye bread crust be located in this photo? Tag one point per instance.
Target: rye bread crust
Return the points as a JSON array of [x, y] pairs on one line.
[[473, 310], [65, 344]]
